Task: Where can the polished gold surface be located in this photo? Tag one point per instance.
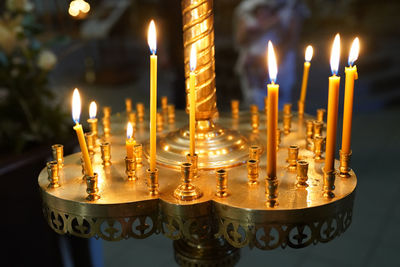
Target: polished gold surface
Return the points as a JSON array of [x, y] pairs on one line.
[[344, 167]]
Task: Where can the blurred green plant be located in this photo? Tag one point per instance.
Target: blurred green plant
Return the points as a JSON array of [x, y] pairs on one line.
[[30, 113]]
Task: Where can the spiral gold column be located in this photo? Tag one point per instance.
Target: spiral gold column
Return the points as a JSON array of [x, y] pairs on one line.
[[198, 29]]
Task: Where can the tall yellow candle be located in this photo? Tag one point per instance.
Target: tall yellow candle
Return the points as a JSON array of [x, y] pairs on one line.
[[332, 114], [192, 98], [151, 38], [130, 142], [307, 64], [272, 113], [351, 75], [76, 112]]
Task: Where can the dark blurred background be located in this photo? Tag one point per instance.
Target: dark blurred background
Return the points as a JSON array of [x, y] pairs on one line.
[[46, 51]]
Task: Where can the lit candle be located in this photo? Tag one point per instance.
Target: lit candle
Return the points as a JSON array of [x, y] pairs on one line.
[[272, 112], [130, 141], [76, 112], [308, 57], [151, 38], [351, 75], [333, 99], [192, 97], [92, 118]]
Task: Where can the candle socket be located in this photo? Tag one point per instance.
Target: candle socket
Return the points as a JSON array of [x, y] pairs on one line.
[[171, 114], [132, 119], [253, 109], [53, 172], [106, 112], [252, 171], [317, 128], [271, 191], [164, 104], [92, 189], [287, 109], [293, 154], [130, 168], [222, 183], [254, 152], [320, 114], [255, 122], [106, 153], [140, 111], [138, 148], [58, 154], [309, 135], [302, 173], [300, 108], [319, 142], [93, 127], [329, 184], [128, 105], [194, 161], [152, 182], [106, 127], [344, 164], [90, 141], [235, 108], [287, 123], [186, 191], [159, 122]]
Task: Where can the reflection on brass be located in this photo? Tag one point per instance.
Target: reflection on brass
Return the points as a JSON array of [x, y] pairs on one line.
[[106, 111], [132, 120], [159, 122], [92, 188], [58, 154], [254, 152], [271, 191], [52, 170], [164, 104], [309, 135], [128, 105], [140, 111], [222, 183], [130, 168], [317, 128], [252, 171], [319, 143], [198, 30], [235, 108], [321, 114], [344, 164], [255, 122], [171, 113], [253, 109], [106, 127], [186, 191], [329, 184], [106, 153], [302, 173], [194, 160], [287, 123], [300, 106], [93, 127], [90, 141], [152, 182], [287, 109], [293, 154], [139, 154]]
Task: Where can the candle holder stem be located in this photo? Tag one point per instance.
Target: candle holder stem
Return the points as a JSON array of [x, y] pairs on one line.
[[329, 183], [186, 191], [92, 189], [130, 168], [345, 164], [152, 182], [272, 191]]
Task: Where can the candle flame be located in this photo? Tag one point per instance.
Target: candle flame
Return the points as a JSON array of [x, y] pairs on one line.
[[92, 110], [335, 55], [77, 6], [309, 53], [354, 50], [193, 58], [272, 65], [152, 37], [129, 131], [76, 106]]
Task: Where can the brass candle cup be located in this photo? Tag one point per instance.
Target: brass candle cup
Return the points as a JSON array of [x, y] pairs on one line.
[[287, 123], [130, 168], [138, 148], [317, 128], [254, 152], [222, 183], [171, 114], [58, 154], [91, 187], [193, 159], [106, 127], [320, 114], [302, 173], [255, 122], [164, 104], [159, 122], [106, 153], [253, 109], [344, 167], [287, 109], [152, 182], [53, 174], [140, 111], [309, 135], [235, 108], [329, 184], [107, 112], [186, 191], [293, 154], [252, 171], [319, 143], [271, 191]]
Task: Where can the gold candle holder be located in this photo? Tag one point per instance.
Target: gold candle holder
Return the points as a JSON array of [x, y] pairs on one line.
[[317, 128], [271, 191], [287, 109], [93, 126], [106, 153], [293, 155], [300, 109], [132, 119], [171, 114], [194, 161], [222, 183], [52, 170], [186, 191], [319, 142], [302, 173], [140, 111], [287, 123], [128, 105], [253, 109], [164, 104], [255, 122], [58, 154], [138, 148], [106, 111], [90, 141], [130, 168], [329, 184], [309, 135], [254, 152], [106, 127], [152, 182], [92, 188], [344, 164], [320, 114], [159, 122], [252, 171], [235, 108]]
